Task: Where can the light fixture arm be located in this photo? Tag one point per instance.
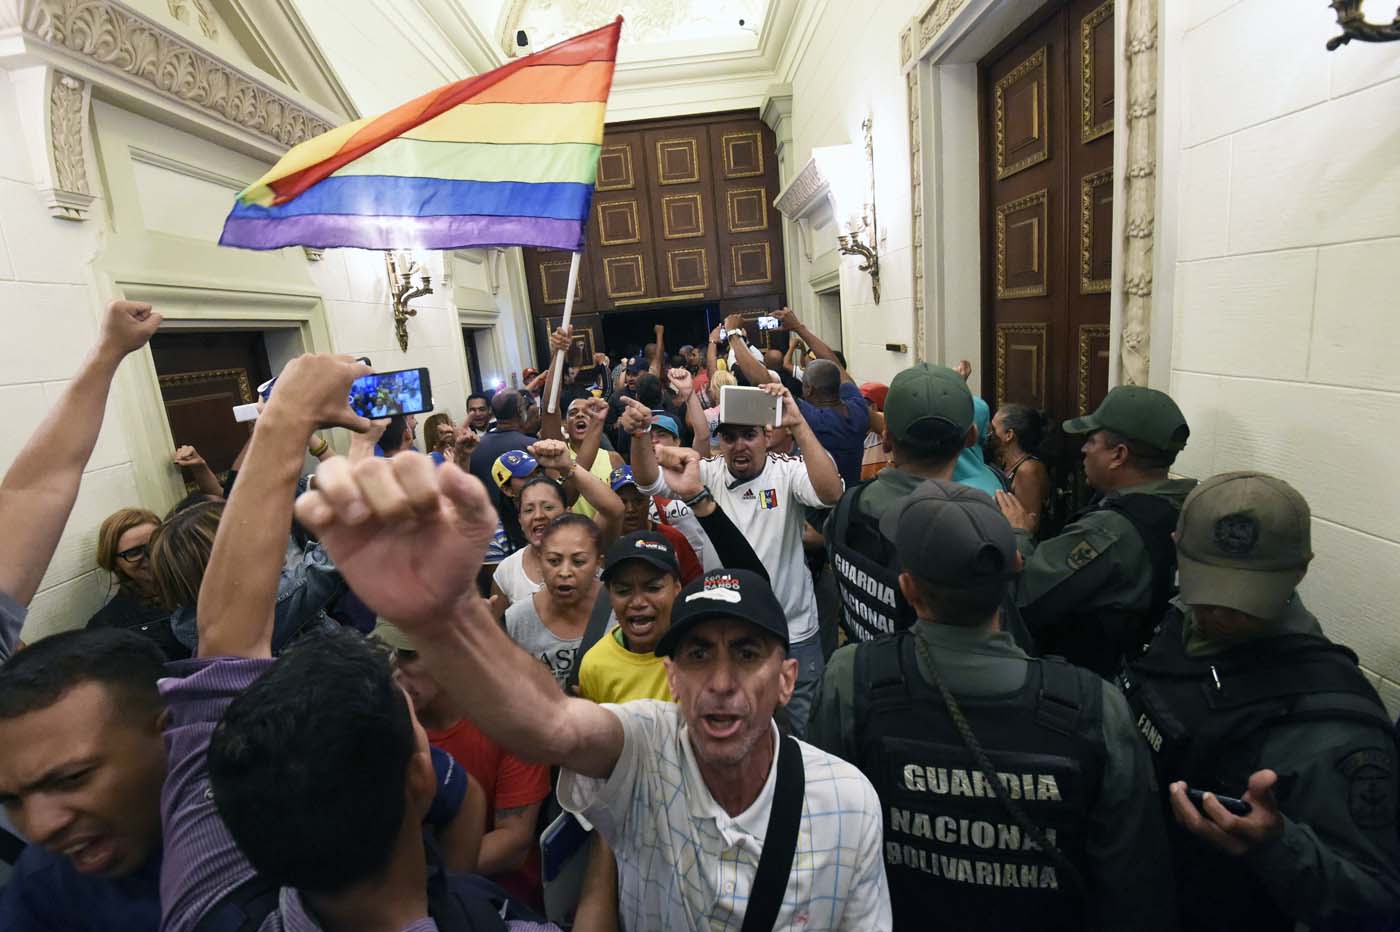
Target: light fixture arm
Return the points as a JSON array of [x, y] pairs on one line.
[[849, 244], [1354, 25], [402, 291]]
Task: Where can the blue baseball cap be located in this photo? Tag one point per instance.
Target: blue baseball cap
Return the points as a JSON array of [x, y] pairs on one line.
[[666, 423], [513, 464], [621, 476]]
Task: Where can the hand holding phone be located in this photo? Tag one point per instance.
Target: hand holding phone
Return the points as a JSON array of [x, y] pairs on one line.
[[767, 323], [1232, 805], [385, 394]]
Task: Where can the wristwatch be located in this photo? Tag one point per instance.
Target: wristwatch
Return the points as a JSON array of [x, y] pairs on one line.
[[697, 498]]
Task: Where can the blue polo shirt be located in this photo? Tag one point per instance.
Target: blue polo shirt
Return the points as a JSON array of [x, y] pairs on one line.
[[843, 436]]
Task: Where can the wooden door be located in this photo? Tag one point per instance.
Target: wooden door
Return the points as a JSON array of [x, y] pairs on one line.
[[203, 375], [681, 177], [1046, 101]]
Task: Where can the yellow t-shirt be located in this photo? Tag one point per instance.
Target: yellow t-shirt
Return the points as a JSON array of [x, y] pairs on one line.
[[612, 673], [602, 468]]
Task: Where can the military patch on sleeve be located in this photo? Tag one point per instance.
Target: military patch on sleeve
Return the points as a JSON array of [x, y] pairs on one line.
[[1370, 787], [1082, 555]]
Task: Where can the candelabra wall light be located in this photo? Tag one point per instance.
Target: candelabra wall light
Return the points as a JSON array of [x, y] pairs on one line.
[[402, 267], [851, 175], [1354, 25]]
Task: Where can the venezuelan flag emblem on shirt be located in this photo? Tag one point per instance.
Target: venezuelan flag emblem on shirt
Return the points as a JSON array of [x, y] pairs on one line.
[[506, 158]]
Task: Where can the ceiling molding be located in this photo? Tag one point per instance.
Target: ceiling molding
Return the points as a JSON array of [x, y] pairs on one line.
[[474, 46], [277, 39], [145, 67], [797, 39]]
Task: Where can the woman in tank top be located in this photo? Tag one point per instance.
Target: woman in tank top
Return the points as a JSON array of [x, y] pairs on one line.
[[1015, 437], [549, 625]]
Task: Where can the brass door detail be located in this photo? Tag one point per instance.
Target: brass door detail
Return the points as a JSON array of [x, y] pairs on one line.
[[1028, 341], [1095, 250], [667, 172], [615, 169], [1021, 99], [743, 155], [1093, 345], [688, 269], [674, 222], [1023, 229], [1096, 108]]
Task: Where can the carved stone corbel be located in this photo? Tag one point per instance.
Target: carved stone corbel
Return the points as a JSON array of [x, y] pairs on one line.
[[54, 109]]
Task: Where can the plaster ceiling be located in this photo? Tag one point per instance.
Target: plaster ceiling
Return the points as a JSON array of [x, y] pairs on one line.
[[649, 23]]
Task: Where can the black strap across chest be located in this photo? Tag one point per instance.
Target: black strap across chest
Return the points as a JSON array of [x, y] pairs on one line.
[[779, 841]]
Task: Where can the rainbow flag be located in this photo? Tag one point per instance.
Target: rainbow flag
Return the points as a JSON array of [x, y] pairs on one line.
[[507, 158]]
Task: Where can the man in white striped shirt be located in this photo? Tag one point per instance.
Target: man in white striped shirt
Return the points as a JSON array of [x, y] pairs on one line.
[[682, 792]]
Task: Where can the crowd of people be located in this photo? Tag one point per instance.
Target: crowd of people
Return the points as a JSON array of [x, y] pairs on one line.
[[627, 665]]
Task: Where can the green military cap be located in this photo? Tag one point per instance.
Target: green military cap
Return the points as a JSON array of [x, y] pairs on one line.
[[391, 635], [927, 403], [952, 535], [1244, 540], [1138, 413]]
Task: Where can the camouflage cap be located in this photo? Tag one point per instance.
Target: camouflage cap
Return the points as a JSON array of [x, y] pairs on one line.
[[1244, 540], [1138, 413]]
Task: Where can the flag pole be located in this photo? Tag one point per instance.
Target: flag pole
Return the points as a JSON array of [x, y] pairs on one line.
[[557, 376]]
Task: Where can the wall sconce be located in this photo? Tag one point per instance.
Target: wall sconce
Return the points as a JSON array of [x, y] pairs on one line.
[[1352, 19], [402, 266], [852, 193]]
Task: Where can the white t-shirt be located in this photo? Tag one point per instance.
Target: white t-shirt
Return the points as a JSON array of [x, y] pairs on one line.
[[680, 517], [684, 863], [767, 510], [511, 577]]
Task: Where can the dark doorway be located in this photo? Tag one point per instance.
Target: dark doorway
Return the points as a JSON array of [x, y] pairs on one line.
[[473, 357], [626, 332], [203, 375]]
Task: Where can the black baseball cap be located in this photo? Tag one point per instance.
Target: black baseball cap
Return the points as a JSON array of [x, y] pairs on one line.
[[951, 535], [741, 594], [648, 546]]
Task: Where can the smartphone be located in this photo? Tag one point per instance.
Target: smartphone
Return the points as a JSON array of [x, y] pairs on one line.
[[384, 394], [768, 323], [249, 412], [1232, 805], [740, 404]]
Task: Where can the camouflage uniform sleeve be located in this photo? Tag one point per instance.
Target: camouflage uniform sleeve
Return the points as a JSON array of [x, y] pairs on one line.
[[831, 723], [1063, 574], [1127, 832], [1339, 855]]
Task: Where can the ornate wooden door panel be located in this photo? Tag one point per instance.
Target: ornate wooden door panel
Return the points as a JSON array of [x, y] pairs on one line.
[[619, 247], [547, 271], [746, 182], [683, 211], [1047, 123]]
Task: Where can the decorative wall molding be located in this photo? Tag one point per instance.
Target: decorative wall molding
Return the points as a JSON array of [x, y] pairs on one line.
[[921, 31], [916, 200], [124, 44], [1139, 192], [806, 200], [53, 109]]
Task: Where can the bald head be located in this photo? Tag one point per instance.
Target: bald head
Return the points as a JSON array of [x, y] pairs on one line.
[[773, 358], [821, 378]]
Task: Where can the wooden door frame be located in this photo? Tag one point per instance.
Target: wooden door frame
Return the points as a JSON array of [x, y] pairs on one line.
[[940, 50], [295, 322]]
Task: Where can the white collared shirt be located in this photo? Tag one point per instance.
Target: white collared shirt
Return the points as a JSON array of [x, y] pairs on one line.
[[684, 863]]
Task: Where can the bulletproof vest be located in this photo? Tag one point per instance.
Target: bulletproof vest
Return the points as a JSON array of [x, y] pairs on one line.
[[1206, 719], [866, 573], [952, 850], [1101, 639]]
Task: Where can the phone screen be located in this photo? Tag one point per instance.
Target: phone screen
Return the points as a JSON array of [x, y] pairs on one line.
[[384, 394], [768, 323]]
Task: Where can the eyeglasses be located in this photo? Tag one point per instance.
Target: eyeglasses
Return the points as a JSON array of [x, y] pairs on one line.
[[133, 554]]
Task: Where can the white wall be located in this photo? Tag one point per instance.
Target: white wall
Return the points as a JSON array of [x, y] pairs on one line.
[[1286, 314], [165, 194], [850, 70]]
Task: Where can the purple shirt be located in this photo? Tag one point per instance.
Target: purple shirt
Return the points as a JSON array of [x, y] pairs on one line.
[[202, 864]]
